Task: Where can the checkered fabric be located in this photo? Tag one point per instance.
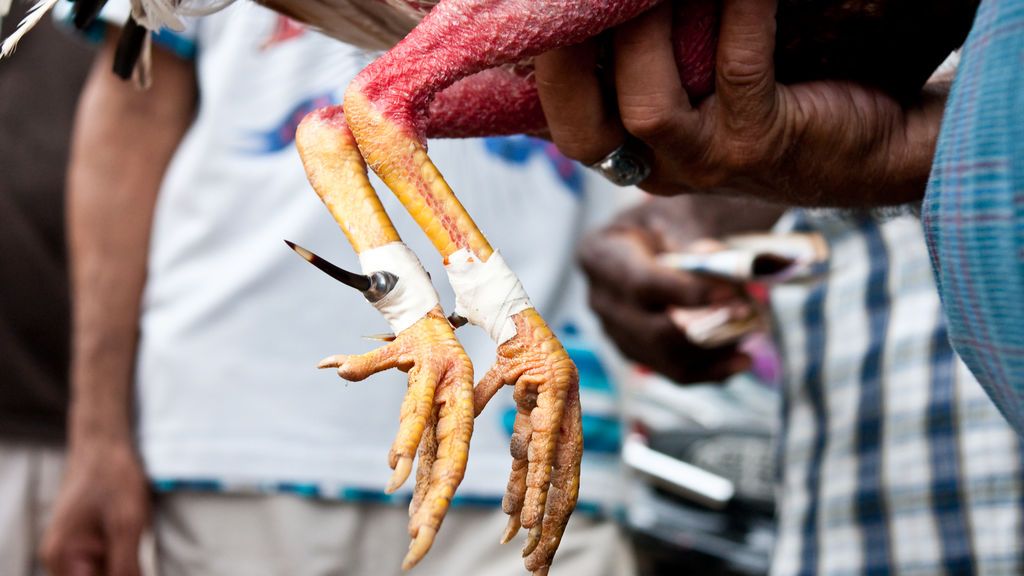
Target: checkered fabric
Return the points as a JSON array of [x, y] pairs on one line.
[[894, 459], [974, 208]]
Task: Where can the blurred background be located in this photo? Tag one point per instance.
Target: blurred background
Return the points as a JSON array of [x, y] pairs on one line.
[[764, 391]]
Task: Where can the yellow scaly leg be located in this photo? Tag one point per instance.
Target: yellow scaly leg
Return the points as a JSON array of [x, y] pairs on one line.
[[437, 413], [547, 441]]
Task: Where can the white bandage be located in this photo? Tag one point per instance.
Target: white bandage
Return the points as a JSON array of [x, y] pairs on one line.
[[487, 294], [413, 296]]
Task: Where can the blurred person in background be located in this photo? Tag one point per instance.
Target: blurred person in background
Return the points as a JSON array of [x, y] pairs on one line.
[[893, 458], [37, 101], [194, 319]]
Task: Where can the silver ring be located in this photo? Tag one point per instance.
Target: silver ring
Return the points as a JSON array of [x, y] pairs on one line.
[[625, 166]]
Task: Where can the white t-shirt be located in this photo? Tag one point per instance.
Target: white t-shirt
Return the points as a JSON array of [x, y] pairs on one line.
[[233, 323]]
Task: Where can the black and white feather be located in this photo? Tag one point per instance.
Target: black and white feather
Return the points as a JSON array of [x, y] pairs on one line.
[[33, 17]]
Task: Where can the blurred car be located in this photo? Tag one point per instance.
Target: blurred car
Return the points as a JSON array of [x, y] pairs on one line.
[[702, 461]]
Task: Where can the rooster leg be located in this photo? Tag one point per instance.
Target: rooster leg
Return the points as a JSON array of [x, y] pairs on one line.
[[437, 413], [388, 107]]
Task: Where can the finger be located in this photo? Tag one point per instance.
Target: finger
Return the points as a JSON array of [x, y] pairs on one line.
[[565, 485], [658, 287], [72, 545], [81, 567], [745, 69], [653, 340], [356, 367], [626, 262], [581, 122], [417, 408], [123, 536], [74, 562], [631, 324], [454, 429], [652, 102]]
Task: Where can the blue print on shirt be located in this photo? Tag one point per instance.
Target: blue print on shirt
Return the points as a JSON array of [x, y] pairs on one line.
[[518, 150], [282, 135]]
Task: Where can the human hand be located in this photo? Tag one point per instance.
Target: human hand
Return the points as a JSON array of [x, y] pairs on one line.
[[813, 143], [635, 297], [101, 512]]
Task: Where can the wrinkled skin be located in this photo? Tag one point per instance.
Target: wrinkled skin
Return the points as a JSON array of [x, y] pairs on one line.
[[547, 436], [436, 418]]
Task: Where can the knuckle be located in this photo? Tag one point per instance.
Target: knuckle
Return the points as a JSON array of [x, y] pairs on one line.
[[648, 122], [742, 69], [580, 146]]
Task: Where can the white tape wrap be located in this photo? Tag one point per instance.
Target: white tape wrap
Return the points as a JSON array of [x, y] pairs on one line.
[[487, 294], [413, 296]]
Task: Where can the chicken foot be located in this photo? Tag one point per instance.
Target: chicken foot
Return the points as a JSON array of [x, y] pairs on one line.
[[388, 107], [437, 412]]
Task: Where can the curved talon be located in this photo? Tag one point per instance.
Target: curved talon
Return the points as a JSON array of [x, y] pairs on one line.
[[532, 540], [511, 529], [419, 547], [333, 361], [400, 474]]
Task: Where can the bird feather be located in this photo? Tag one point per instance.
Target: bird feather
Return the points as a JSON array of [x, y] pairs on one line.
[[415, 8], [157, 14], [33, 17]]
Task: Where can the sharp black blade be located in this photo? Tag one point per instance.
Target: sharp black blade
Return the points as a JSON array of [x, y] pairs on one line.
[[357, 281], [129, 48]]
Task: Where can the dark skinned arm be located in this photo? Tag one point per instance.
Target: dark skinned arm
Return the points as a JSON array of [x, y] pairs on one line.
[[123, 141]]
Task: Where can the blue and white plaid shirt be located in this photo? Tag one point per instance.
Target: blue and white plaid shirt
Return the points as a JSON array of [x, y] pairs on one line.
[[974, 208], [894, 459]]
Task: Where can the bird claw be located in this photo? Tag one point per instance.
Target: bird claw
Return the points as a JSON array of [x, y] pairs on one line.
[[436, 418], [547, 437]]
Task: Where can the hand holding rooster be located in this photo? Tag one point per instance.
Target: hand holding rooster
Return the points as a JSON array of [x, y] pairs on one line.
[[811, 143]]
